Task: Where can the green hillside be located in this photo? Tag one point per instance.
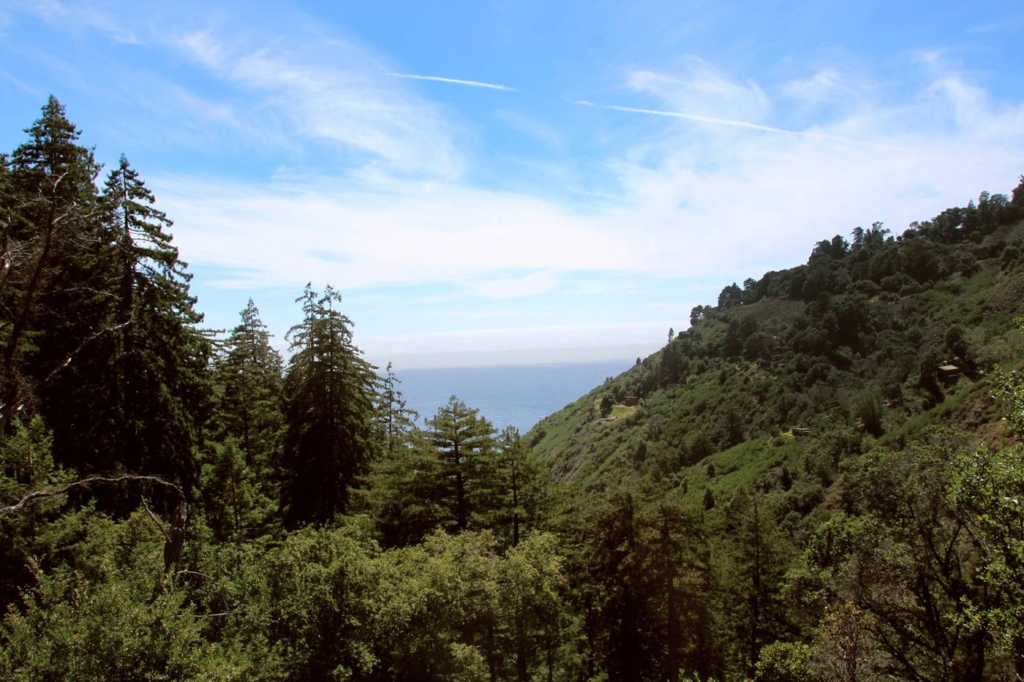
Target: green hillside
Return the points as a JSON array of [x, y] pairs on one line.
[[854, 339], [824, 465]]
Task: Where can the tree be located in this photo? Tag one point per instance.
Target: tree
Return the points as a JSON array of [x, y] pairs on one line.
[[235, 505], [406, 496], [247, 376], [530, 583], [329, 395], [524, 483], [50, 241], [395, 420], [463, 443], [136, 400], [916, 559], [730, 297], [696, 314], [759, 563]]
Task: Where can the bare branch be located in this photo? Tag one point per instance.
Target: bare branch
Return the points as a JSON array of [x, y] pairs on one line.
[[156, 520], [85, 483], [206, 615]]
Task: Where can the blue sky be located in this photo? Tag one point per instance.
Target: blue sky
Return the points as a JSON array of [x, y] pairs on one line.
[[523, 181]]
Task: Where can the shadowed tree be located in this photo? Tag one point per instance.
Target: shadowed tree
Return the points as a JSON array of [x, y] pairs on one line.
[[329, 397], [137, 399], [247, 377], [51, 285]]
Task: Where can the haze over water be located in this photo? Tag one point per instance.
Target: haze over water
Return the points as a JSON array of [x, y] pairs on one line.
[[507, 396]]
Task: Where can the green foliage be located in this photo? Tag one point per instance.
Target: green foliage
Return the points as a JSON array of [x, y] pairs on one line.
[[395, 420], [329, 392], [247, 376], [785, 662], [99, 332], [466, 465], [26, 465], [235, 505]]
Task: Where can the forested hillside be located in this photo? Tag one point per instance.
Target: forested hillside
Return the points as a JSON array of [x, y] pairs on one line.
[[818, 480]]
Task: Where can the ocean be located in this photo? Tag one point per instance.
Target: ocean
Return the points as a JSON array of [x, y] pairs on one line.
[[518, 396]]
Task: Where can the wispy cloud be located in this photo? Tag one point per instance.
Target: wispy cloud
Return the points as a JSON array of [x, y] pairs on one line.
[[24, 87], [698, 88], [736, 124], [752, 199], [329, 89], [79, 14], [454, 81], [347, 173]]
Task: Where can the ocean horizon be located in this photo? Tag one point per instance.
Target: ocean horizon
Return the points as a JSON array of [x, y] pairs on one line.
[[519, 395]]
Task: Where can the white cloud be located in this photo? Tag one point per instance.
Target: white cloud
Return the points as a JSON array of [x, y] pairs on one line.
[[333, 90], [700, 90], [707, 177], [730, 123], [453, 81], [78, 15], [813, 90], [402, 233], [716, 201]]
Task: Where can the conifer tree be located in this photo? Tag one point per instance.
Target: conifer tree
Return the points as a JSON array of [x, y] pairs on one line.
[[136, 399], [405, 496], [524, 484], [395, 420], [329, 399], [466, 463], [51, 241], [236, 507], [249, 390]]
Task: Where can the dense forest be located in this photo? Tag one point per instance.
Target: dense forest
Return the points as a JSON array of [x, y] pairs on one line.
[[820, 479]]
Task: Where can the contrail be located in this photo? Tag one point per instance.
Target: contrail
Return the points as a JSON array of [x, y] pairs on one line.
[[736, 124], [456, 81]]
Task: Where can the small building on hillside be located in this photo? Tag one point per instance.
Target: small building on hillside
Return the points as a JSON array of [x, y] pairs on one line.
[[949, 373], [801, 432], [631, 401]]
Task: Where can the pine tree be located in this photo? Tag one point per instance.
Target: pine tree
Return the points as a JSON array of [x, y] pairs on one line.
[[405, 496], [235, 505], [52, 275], [395, 420], [136, 399], [329, 398], [524, 482], [249, 393], [466, 464]]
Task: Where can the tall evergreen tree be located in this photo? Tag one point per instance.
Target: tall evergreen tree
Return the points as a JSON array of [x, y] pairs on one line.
[[395, 420], [466, 463], [51, 284], [249, 391], [524, 483], [137, 399], [329, 399]]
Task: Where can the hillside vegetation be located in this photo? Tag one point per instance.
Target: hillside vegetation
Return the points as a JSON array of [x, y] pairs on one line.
[[853, 339], [792, 489]]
